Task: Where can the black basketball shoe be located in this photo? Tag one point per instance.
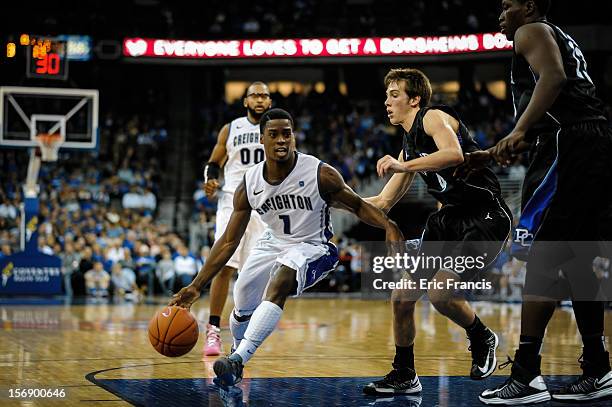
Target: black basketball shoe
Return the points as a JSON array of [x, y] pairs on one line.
[[484, 360], [398, 381], [522, 387], [594, 384], [228, 370]]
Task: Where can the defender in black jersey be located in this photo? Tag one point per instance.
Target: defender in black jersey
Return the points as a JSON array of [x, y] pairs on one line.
[[473, 221], [550, 81]]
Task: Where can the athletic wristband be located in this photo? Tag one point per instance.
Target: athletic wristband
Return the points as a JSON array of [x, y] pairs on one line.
[[211, 171]]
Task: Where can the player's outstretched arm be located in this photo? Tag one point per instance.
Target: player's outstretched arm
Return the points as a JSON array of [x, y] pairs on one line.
[[221, 251], [393, 190], [341, 195], [215, 162]]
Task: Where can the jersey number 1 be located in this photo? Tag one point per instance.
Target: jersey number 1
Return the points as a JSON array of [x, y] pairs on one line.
[[286, 224]]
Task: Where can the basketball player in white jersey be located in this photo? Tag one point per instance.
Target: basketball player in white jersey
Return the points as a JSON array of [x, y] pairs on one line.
[[237, 149], [292, 192]]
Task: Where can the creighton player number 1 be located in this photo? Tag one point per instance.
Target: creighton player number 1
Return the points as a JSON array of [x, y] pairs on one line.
[[286, 224], [245, 156]]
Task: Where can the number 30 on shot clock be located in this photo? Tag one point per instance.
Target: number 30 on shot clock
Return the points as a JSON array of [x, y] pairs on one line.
[[48, 63]]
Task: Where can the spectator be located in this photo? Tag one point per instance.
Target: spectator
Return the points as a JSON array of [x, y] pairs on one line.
[[165, 272], [132, 199], [70, 265], [7, 209], [114, 252], [86, 264], [204, 252], [43, 246], [5, 250], [145, 268], [97, 281], [185, 266], [124, 282], [149, 201], [199, 232]]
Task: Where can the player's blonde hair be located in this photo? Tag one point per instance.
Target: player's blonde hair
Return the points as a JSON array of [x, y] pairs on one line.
[[417, 83]]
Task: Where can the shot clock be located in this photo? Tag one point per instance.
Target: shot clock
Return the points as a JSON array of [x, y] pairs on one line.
[[47, 59]]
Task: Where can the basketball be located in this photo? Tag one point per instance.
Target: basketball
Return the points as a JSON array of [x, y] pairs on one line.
[[173, 331]]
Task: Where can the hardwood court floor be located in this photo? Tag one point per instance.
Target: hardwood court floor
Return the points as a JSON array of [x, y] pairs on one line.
[[56, 345]]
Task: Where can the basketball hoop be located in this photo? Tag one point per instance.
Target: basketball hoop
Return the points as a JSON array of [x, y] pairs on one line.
[[49, 145]]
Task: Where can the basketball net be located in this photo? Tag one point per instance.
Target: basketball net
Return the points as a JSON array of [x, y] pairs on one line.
[[49, 145]]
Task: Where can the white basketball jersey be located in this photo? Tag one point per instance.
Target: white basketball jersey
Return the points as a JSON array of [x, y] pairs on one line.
[[293, 210], [243, 151]]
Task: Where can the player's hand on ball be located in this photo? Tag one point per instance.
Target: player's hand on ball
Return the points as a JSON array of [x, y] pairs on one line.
[[388, 165], [474, 161], [210, 188], [507, 150], [185, 297]]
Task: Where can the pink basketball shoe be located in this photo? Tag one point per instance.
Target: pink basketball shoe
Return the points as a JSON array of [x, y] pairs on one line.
[[212, 347]]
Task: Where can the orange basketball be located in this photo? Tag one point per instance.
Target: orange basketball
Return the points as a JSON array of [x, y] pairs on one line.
[[173, 331]]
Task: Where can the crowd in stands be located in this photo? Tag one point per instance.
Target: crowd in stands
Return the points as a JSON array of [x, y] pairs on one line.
[[98, 214], [218, 19]]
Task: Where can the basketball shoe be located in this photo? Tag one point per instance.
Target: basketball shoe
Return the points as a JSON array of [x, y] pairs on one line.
[[522, 387], [595, 382], [397, 381], [483, 349], [228, 370], [212, 347]]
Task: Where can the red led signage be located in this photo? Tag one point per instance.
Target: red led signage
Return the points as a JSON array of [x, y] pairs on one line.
[[315, 47]]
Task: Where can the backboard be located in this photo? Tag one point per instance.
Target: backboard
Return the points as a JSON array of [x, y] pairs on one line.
[[26, 112]]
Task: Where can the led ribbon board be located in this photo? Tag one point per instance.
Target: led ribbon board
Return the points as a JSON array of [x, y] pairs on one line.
[[315, 47]]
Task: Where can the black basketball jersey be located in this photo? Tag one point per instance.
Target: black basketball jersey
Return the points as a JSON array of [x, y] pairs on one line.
[[576, 102], [479, 188]]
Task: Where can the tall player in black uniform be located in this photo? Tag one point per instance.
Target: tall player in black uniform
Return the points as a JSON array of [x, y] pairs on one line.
[[473, 220], [549, 71]]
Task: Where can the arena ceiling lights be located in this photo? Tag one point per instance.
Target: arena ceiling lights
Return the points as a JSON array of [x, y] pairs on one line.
[[313, 48]]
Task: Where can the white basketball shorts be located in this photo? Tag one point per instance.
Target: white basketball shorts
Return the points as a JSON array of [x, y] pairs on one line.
[[312, 262]]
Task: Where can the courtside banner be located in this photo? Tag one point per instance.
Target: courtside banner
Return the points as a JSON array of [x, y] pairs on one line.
[[315, 47], [30, 273]]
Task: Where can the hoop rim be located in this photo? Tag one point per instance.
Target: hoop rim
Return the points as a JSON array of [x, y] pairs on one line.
[[48, 138], [49, 145]]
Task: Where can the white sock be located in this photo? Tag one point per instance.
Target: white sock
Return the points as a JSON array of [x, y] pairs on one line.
[[237, 328], [264, 320]]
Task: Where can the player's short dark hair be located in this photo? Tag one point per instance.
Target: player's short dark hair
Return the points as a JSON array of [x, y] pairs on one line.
[[417, 83], [274, 114], [543, 6], [253, 84], [258, 83]]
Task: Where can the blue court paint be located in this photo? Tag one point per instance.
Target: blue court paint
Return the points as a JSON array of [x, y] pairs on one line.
[[16, 300], [303, 391]]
